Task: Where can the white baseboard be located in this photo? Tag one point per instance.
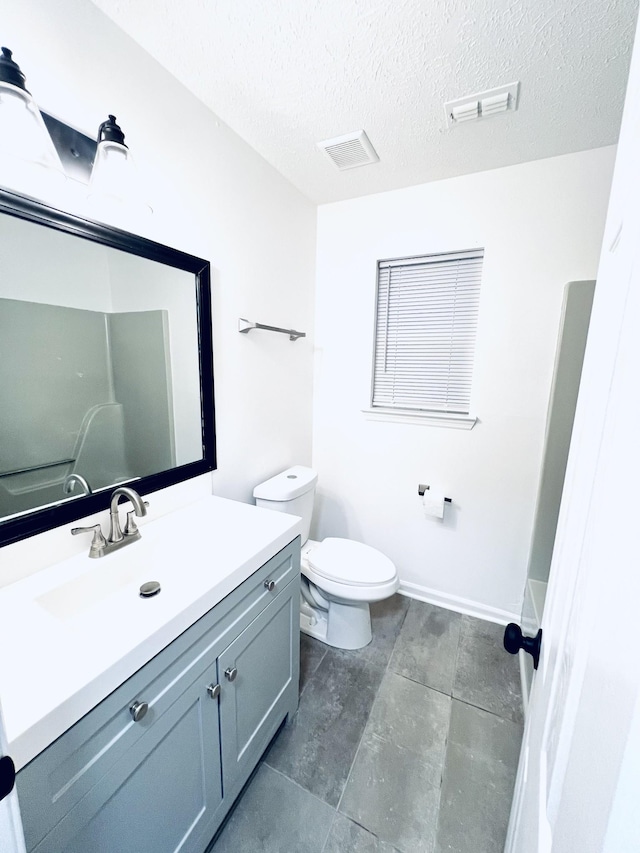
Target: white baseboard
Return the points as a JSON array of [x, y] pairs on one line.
[[458, 604]]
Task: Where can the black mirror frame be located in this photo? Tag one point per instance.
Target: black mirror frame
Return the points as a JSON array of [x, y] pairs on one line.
[[40, 520]]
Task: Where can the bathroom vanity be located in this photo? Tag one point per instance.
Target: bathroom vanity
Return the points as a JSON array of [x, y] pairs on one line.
[[135, 722]]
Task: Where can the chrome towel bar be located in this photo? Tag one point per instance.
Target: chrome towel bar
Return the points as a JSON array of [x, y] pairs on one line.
[[245, 326]]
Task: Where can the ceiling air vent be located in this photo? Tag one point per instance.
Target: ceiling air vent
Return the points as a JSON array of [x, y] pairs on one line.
[[503, 99], [350, 150]]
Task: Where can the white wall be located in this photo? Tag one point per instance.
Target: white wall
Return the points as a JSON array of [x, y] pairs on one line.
[[214, 197], [541, 225]]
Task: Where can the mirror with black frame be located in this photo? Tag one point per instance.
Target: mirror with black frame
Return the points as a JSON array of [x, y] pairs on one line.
[[106, 369]]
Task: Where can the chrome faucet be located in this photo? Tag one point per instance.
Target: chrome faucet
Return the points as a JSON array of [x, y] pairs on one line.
[[71, 479], [117, 538], [139, 508]]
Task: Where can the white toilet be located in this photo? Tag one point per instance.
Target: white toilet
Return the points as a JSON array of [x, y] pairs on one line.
[[339, 576]]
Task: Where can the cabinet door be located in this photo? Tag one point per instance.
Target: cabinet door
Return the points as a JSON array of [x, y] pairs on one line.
[[259, 685], [161, 794]]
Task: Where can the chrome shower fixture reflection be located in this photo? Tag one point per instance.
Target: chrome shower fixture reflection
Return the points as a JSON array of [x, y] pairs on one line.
[[70, 481]]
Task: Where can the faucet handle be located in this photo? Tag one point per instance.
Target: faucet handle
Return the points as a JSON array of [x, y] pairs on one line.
[[130, 528], [98, 543]]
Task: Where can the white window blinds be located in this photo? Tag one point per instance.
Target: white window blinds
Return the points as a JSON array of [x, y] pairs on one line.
[[427, 311]]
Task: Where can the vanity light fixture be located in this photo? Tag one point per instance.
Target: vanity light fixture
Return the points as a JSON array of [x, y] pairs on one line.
[[29, 163], [114, 184], [35, 149]]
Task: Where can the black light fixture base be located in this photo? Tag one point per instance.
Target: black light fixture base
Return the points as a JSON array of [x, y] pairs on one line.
[[10, 71], [110, 131], [76, 150]]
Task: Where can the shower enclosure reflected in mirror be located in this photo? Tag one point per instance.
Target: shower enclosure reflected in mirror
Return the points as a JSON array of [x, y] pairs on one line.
[[105, 366]]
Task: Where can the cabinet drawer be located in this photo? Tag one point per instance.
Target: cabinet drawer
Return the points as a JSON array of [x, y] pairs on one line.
[[57, 779]]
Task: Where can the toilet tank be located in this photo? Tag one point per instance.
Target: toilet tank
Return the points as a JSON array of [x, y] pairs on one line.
[[291, 491]]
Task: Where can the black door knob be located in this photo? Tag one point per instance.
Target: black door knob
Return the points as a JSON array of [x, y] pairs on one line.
[[7, 776], [514, 640]]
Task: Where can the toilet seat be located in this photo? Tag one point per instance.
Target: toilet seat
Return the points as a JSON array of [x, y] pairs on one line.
[[349, 571], [349, 562]]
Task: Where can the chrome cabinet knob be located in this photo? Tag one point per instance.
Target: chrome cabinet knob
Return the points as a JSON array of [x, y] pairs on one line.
[[270, 585], [231, 673], [213, 690], [138, 711]]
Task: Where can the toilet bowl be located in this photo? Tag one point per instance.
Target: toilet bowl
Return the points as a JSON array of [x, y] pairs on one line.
[[340, 577]]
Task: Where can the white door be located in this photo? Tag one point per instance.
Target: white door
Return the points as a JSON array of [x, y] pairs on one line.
[[11, 837], [584, 707]]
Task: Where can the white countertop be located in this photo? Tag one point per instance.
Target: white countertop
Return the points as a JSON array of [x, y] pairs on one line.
[[70, 634]]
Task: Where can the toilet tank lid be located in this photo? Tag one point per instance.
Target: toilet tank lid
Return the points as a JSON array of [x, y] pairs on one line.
[[287, 485]]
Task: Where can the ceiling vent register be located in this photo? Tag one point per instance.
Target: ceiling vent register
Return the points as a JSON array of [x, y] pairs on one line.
[[350, 150], [502, 99]]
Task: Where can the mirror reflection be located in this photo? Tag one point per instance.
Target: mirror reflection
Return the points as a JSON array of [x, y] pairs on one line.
[[99, 367]]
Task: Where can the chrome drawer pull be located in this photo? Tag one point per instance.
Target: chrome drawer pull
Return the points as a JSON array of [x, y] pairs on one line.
[[270, 585], [231, 673], [213, 690], [138, 711]]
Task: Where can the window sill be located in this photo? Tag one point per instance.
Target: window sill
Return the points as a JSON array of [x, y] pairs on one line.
[[427, 419]]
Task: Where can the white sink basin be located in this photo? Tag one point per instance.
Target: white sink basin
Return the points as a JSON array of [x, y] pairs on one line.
[[104, 579]]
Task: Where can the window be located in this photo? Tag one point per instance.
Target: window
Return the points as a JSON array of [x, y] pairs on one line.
[[426, 317]]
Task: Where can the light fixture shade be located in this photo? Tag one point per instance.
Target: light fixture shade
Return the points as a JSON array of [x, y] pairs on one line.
[[29, 162], [115, 187]]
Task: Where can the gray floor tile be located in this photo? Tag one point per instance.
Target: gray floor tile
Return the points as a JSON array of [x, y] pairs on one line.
[[311, 654], [319, 746], [472, 627], [427, 645], [413, 717], [276, 816], [479, 775], [486, 676], [387, 618], [347, 837], [394, 785], [484, 734], [389, 792]]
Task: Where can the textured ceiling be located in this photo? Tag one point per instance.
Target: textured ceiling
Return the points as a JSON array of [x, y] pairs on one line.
[[285, 74]]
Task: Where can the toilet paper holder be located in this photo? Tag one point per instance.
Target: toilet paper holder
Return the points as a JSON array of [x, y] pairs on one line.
[[422, 489]]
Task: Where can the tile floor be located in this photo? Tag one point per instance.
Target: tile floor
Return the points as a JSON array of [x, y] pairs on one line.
[[409, 745]]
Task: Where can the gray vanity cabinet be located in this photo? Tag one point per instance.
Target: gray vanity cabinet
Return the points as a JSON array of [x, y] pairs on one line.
[[164, 782], [159, 795]]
